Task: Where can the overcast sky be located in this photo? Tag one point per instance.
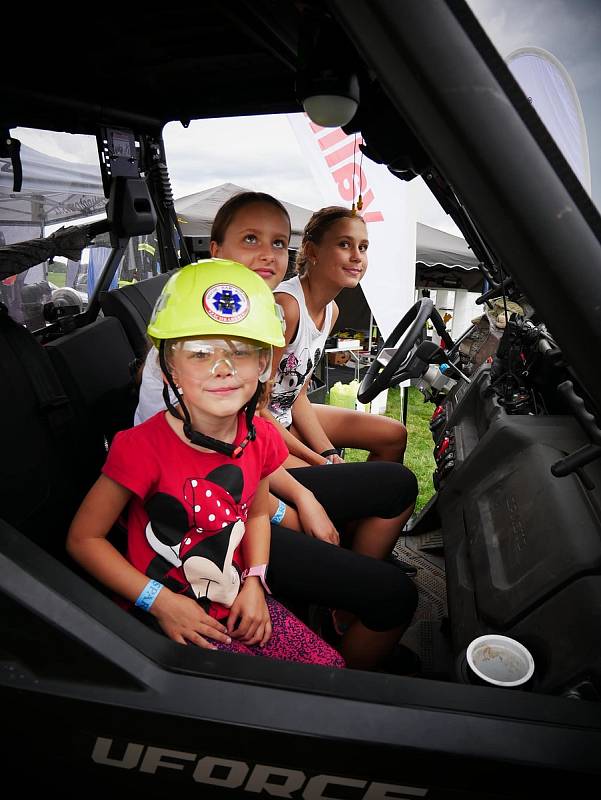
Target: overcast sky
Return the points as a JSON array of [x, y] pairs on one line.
[[571, 31], [261, 153]]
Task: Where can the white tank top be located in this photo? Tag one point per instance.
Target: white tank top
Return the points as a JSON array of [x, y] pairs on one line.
[[300, 357]]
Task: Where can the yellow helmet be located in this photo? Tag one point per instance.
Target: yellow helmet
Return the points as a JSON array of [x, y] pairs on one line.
[[216, 297]]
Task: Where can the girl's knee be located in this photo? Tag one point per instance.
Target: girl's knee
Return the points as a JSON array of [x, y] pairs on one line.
[[410, 487], [392, 436], [401, 602], [396, 601], [399, 435], [395, 485]]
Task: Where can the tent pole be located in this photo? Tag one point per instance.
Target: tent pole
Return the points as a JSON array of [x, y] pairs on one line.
[[404, 403]]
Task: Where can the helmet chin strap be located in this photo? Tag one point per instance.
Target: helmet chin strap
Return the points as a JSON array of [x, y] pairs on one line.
[[196, 437]]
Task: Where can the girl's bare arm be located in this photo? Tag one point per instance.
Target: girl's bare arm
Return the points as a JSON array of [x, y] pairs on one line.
[[180, 617]]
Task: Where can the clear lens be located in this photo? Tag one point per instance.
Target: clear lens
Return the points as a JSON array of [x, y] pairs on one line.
[[208, 352]]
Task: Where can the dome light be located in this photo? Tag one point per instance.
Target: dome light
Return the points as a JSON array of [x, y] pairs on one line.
[[326, 83], [330, 110]]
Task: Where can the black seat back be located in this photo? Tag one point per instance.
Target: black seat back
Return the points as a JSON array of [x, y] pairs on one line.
[[132, 305], [96, 365], [48, 458]]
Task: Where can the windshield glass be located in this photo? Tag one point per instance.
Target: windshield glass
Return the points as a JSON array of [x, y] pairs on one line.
[[62, 185], [552, 49]]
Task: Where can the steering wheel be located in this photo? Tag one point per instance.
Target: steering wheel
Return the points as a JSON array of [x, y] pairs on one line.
[[394, 363]]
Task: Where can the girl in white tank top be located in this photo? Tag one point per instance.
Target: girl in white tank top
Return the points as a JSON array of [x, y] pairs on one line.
[[300, 357], [332, 256]]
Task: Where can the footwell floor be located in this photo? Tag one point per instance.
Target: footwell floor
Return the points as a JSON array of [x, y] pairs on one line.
[[427, 635]]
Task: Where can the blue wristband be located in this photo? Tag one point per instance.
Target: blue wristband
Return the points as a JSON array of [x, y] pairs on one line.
[[148, 595], [279, 513]]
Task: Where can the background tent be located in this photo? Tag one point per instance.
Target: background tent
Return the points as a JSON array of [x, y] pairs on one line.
[[53, 191], [443, 261], [441, 258], [436, 248], [197, 211]]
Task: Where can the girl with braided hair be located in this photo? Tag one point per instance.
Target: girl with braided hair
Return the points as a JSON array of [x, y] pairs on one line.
[[332, 256]]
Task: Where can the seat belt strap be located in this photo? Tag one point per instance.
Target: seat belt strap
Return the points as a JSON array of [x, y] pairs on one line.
[[51, 397]]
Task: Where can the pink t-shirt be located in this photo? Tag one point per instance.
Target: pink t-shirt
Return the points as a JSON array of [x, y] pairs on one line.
[[186, 518]]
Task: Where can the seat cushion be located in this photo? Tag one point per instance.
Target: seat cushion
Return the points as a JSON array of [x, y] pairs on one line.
[[132, 305]]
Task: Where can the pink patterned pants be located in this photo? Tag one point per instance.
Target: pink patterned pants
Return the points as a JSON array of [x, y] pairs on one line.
[[291, 640]]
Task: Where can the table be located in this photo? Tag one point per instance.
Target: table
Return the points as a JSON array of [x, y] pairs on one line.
[[358, 356]]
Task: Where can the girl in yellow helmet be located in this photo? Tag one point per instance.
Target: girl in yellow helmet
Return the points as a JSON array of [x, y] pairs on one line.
[[306, 565], [194, 478]]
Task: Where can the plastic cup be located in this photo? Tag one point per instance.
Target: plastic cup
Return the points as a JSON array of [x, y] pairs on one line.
[[500, 661]]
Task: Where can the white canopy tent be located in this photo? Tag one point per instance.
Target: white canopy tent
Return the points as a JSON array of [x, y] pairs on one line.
[[53, 191], [445, 265], [442, 260], [436, 248], [56, 191], [448, 268], [196, 211]]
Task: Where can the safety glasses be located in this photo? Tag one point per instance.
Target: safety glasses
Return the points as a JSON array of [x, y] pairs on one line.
[[205, 354]]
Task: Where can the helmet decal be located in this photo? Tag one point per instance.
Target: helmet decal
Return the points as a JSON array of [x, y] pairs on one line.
[[225, 302]]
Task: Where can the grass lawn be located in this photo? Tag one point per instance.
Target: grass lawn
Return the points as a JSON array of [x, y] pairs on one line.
[[57, 278], [418, 456]]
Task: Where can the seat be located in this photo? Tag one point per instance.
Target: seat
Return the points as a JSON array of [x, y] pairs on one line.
[[132, 305], [50, 455], [96, 365]]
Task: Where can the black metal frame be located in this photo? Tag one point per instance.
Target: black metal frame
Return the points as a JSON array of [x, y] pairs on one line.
[[449, 737], [133, 685], [481, 144]]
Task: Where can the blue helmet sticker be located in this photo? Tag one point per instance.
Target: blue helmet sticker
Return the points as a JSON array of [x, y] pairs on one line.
[[226, 303]]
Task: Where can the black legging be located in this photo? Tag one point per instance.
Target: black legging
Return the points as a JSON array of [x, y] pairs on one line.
[[307, 570], [359, 490]]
